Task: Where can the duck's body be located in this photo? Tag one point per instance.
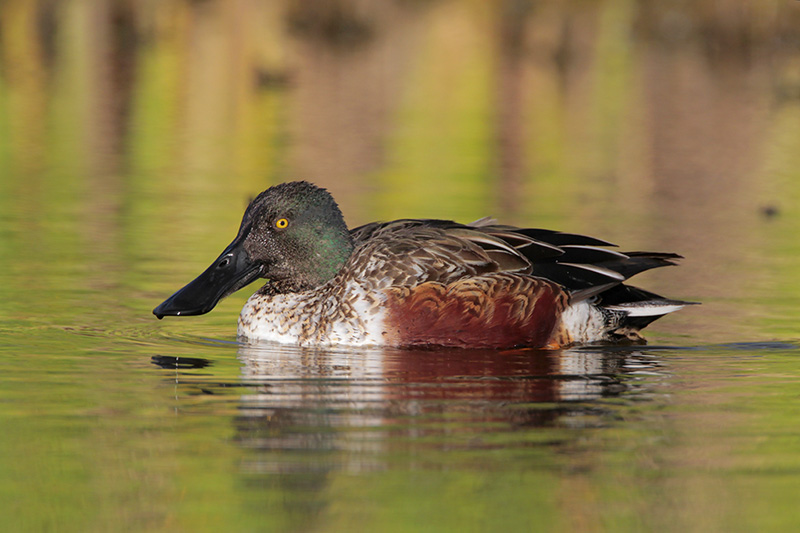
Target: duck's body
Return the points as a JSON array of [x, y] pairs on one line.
[[420, 282]]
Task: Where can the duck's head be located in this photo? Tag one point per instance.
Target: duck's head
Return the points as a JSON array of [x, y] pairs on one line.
[[292, 234]]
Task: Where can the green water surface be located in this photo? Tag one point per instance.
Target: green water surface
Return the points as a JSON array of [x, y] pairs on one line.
[[132, 135]]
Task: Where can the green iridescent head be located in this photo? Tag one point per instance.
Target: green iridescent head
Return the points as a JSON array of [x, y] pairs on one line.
[[292, 234]]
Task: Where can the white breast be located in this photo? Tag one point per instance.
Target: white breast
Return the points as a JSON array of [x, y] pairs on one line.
[[352, 318]]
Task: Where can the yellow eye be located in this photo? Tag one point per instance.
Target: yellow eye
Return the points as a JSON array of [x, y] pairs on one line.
[[281, 223]]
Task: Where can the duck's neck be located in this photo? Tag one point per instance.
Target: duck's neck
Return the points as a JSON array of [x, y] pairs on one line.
[[331, 253], [320, 255]]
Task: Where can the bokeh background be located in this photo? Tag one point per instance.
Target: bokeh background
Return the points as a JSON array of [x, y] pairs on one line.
[[134, 132]]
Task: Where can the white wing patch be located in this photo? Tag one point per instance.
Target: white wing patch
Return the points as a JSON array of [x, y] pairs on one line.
[[648, 308]]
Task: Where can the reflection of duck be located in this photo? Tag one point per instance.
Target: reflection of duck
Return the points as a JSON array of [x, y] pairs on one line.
[[420, 282], [366, 402], [384, 379]]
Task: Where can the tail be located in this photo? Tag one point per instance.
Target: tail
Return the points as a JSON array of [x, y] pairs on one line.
[[618, 314], [625, 321], [602, 307]]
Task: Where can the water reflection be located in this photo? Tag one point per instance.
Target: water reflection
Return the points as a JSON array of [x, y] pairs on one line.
[[180, 363], [364, 409]]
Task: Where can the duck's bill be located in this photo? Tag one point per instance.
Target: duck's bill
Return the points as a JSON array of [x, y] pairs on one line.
[[230, 272]]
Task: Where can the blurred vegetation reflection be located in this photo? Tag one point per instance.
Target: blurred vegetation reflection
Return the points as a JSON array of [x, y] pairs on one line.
[[665, 125]]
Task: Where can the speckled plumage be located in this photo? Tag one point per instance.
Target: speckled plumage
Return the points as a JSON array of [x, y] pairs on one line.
[[426, 282]]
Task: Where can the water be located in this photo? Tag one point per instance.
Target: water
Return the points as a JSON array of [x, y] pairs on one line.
[[133, 134]]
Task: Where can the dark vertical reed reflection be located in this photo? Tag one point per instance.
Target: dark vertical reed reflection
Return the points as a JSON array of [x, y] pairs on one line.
[[510, 101]]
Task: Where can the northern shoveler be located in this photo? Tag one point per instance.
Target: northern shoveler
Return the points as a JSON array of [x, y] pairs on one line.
[[420, 282]]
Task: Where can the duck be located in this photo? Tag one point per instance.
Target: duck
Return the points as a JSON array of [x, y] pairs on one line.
[[413, 283]]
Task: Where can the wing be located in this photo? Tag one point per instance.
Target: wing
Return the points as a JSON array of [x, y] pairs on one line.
[[413, 251]]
